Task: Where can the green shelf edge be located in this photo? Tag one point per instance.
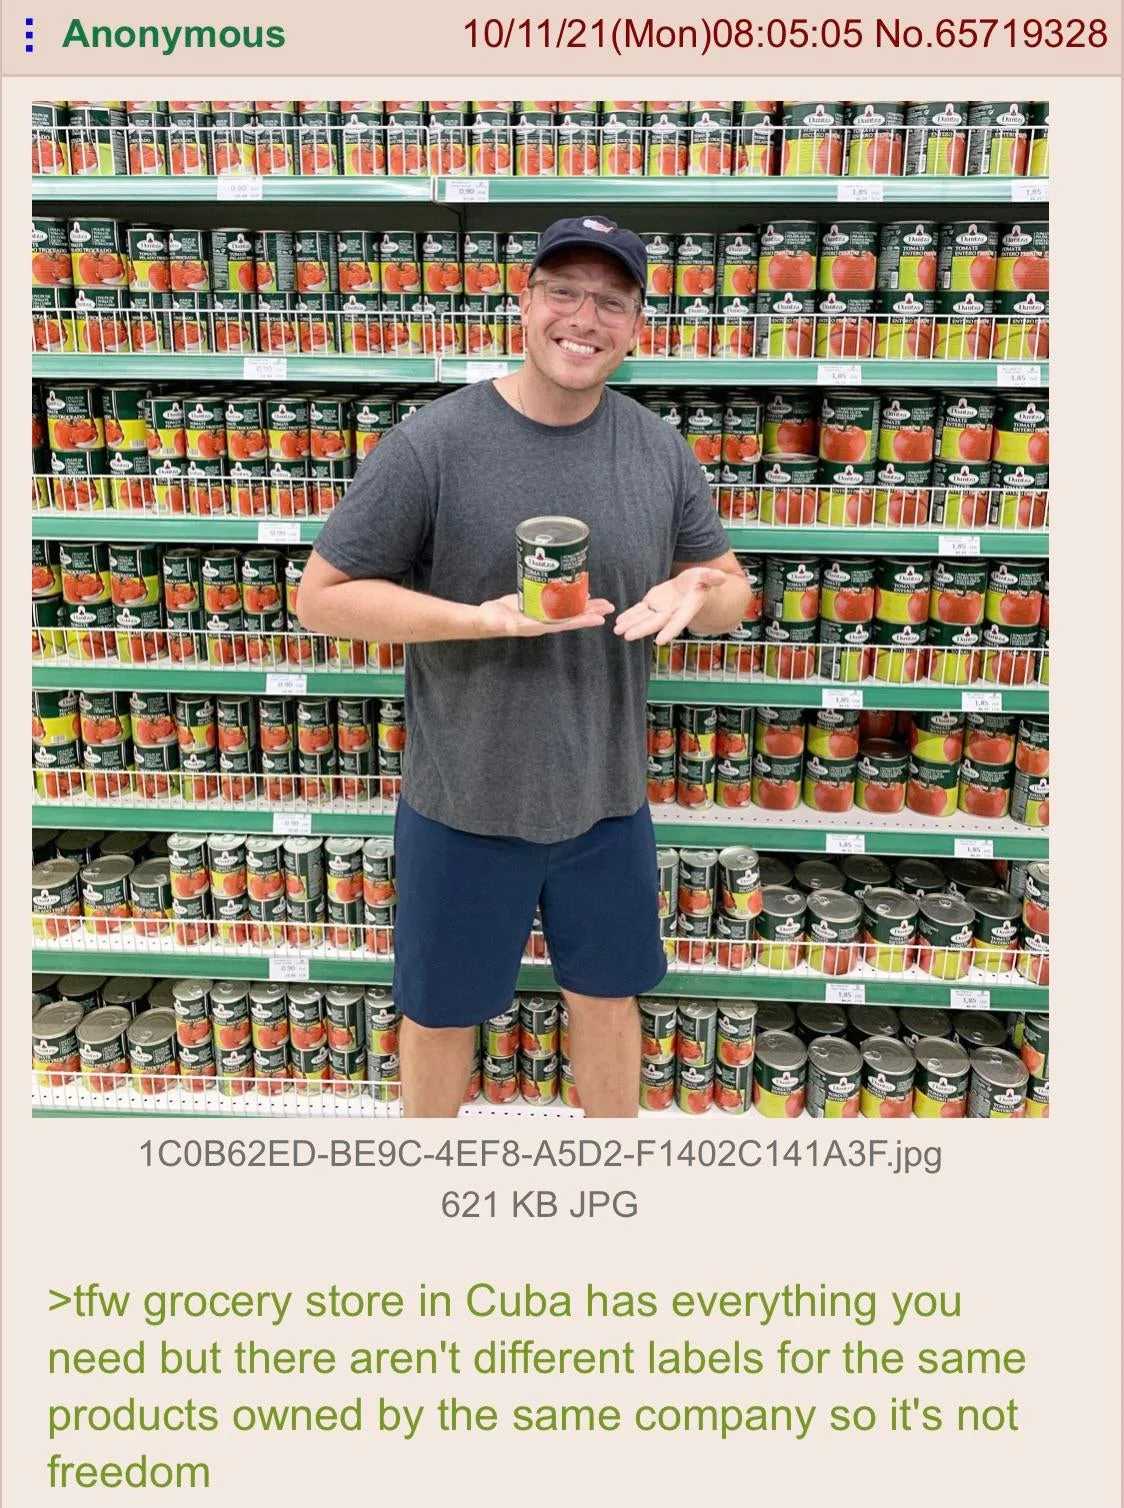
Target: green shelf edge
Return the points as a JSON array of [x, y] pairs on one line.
[[769, 836], [167, 190], [993, 543], [645, 371], [724, 188], [48, 677], [531, 977]]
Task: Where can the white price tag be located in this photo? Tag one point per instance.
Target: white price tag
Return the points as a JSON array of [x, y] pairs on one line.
[[1018, 374], [1029, 191], [845, 843], [238, 189], [839, 373], [288, 966], [484, 371], [973, 848], [281, 683], [970, 1000], [845, 994], [962, 545], [842, 699], [860, 193], [466, 190], [265, 368], [981, 701], [279, 531], [292, 824]]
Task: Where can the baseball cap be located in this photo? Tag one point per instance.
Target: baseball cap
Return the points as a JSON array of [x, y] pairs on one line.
[[603, 235]]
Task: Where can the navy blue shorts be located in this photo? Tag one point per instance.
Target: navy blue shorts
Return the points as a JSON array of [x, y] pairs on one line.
[[466, 904]]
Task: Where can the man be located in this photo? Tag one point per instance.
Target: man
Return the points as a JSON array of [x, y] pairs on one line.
[[525, 779]]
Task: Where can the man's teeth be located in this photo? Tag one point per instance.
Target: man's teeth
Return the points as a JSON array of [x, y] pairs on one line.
[[576, 347]]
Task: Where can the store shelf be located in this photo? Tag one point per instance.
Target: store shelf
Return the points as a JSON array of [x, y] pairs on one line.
[[370, 370], [648, 371], [724, 189], [987, 543], [713, 691], [799, 831], [273, 190], [713, 371], [911, 988]]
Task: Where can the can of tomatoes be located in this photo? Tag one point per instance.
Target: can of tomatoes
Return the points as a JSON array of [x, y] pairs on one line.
[[880, 775], [1030, 796], [834, 1078], [657, 1082], [780, 927], [985, 789], [780, 1068], [996, 929], [191, 1006], [848, 257], [889, 929], [739, 882], [945, 928], [940, 1085], [998, 1086], [888, 1069], [105, 892], [55, 1056], [694, 780], [833, 923], [151, 1039], [103, 1048], [552, 567], [150, 898], [998, 138]]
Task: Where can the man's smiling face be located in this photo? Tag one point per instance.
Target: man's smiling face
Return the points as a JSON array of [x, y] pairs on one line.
[[579, 350]]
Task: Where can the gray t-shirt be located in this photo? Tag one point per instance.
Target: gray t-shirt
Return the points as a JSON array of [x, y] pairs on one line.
[[528, 738]]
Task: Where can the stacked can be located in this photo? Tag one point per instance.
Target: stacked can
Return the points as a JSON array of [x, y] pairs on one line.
[[696, 901], [845, 284], [538, 1048], [740, 901], [792, 605], [789, 442], [966, 271], [875, 138], [696, 753], [667, 870], [741, 458], [1030, 796], [379, 895], [1033, 962], [786, 281], [695, 1055], [846, 613], [936, 138], [1021, 459], [831, 759], [382, 1021], [1012, 615], [906, 443], [906, 282], [693, 304], [735, 326], [962, 470], [87, 600], [780, 1072], [658, 1029], [778, 757], [736, 1030], [500, 1049], [76, 441], [901, 612], [755, 138], [744, 653], [55, 744], [1022, 296], [848, 447], [53, 283]]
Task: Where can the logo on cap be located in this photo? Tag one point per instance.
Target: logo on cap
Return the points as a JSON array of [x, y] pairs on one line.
[[606, 227]]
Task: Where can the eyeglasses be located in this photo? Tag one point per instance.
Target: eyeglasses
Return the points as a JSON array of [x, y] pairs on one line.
[[568, 298]]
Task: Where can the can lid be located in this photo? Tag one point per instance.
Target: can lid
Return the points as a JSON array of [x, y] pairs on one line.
[[103, 1024], [818, 873], [835, 906], [919, 874], [52, 872], [947, 910], [887, 1054], [186, 843], [152, 872], [737, 1011], [740, 858], [80, 986], [938, 1055], [343, 994], [124, 990], [378, 848], [774, 1015], [924, 1022], [866, 869], [151, 1027], [998, 905], [981, 1029], [226, 992], [698, 1010], [893, 904], [821, 1020], [339, 848], [304, 994], [266, 994], [834, 1055], [57, 1019], [552, 530], [999, 1068], [776, 900], [780, 1049], [874, 1020]]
